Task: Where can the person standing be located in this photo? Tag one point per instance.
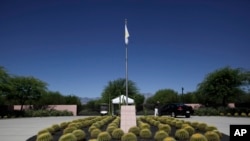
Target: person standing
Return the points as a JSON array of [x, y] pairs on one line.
[[157, 104]]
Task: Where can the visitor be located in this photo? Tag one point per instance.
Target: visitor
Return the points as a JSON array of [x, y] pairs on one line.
[[157, 108]]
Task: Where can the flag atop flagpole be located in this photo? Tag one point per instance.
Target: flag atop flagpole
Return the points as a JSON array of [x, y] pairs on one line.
[[126, 33]]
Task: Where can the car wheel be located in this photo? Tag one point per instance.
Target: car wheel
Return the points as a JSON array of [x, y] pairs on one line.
[[187, 115]]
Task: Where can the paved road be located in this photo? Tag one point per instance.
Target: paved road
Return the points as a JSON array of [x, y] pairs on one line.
[[23, 128]]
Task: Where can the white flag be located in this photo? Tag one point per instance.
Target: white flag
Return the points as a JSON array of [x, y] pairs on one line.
[[126, 35]]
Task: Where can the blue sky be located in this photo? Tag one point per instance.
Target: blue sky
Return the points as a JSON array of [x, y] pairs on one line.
[[77, 47]]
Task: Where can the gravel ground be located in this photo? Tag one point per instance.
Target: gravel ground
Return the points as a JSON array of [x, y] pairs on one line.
[[21, 129]]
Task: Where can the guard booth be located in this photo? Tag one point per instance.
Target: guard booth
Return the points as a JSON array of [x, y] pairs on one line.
[[104, 109]]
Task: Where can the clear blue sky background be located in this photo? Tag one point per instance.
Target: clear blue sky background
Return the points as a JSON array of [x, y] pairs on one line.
[[77, 47]]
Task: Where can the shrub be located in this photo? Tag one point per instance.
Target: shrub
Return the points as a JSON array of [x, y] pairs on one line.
[[169, 139], [68, 137], [44, 137], [182, 134], [79, 134], [198, 137], [160, 135], [117, 133], [104, 136], [129, 137], [135, 130], [145, 133], [95, 132], [212, 136]]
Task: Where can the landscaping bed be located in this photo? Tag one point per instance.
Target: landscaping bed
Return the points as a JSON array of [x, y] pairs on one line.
[[91, 128]]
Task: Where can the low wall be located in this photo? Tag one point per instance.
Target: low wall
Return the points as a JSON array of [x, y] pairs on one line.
[[70, 108]]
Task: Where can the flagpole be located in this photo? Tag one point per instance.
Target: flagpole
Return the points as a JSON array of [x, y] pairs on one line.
[[126, 61]]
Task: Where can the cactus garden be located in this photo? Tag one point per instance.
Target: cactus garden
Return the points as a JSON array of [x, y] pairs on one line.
[[149, 128]]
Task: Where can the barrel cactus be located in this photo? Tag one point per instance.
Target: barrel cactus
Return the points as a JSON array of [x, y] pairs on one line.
[[104, 136], [42, 131], [194, 124], [212, 136], [129, 137], [211, 128], [198, 137], [68, 137], [165, 127], [169, 139], [218, 132], [182, 134], [69, 130], [63, 125], [110, 129], [80, 134], [117, 133], [190, 130], [160, 135], [145, 133], [95, 132], [44, 137], [56, 127], [135, 130], [202, 126]]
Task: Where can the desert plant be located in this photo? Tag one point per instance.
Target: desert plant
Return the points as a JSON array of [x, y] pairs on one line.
[[236, 114], [190, 130], [178, 124], [110, 129], [218, 132], [44, 137], [211, 128], [229, 114], [95, 132], [181, 134], [135, 130], [92, 128], [202, 126], [69, 130], [68, 137], [198, 137], [243, 114], [42, 131], [104, 136], [160, 135], [56, 127], [63, 125], [145, 133], [129, 137], [165, 127], [212, 136], [144, 125], [80, 134], [194, 124], [169, 139], [117, 133], [51, 130]]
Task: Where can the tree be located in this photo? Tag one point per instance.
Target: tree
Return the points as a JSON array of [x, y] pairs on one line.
[[116, 88], [25, 89], [222, 85], [164, 96], [4, 81]]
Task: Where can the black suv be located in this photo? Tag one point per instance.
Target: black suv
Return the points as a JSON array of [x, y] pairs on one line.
[[176, 109]]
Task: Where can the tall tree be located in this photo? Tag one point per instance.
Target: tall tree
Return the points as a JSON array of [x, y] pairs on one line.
[[222, 85], [164, 96], [25, 89]]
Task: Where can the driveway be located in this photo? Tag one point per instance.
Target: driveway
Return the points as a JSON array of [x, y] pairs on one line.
[[21, 129]]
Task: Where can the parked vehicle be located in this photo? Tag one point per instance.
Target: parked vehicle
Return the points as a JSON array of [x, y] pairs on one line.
[[176, 109], [104, 109]]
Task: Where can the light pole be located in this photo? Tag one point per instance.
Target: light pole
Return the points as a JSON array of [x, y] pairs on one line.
[[182, 94]]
